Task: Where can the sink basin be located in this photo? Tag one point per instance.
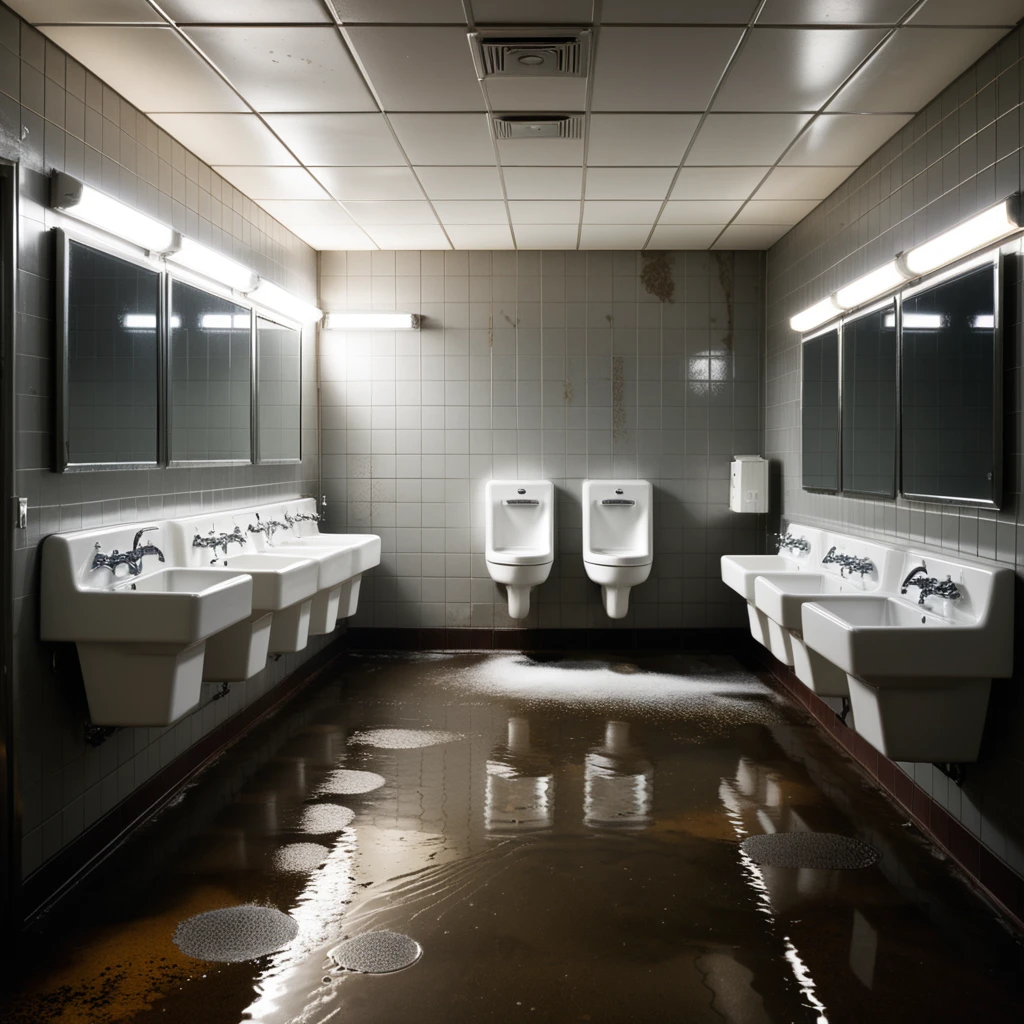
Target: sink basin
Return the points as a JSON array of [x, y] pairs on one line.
[[278, 581], [740, 571]]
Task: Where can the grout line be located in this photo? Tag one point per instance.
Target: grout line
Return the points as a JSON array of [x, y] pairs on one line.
[[595, 31]]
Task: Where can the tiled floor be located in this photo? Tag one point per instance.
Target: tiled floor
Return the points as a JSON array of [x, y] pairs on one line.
[[567, 851]]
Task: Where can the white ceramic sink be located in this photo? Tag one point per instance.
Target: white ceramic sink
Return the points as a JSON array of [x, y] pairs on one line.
[[740, 571], [781, 596], [278, 581]]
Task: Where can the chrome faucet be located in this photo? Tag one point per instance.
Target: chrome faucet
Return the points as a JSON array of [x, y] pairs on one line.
[[929, 585], [268, 528], [793, 543], [133, 558], [849, 564], [220, 540], [302, 517]]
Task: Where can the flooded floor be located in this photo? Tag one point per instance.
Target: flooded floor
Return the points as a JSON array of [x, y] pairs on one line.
[[560, 838]]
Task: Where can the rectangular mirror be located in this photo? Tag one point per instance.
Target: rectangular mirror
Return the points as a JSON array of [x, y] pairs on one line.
[[951, 401], [211, 377], [108, 358], [820, 412], [278, 391], [870, 363]]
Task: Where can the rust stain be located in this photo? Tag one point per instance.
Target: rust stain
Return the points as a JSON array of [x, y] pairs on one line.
[[727, 278], [656, 275], [619, 432], [509, 320], [567, 392]]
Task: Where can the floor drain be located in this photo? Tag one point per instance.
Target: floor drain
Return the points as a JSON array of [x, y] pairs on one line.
[[300, 858], [404, 739], [319, 819], [377, 953], [346, 781], [821, 850], [234, 934]]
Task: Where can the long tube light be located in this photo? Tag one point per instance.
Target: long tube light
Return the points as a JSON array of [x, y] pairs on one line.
[[981, 230], [76, 199], [203, 260], [280, 301], [371, 321]]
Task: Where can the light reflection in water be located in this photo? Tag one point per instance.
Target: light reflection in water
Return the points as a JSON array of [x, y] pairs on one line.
[[618, 783], [520, 787]]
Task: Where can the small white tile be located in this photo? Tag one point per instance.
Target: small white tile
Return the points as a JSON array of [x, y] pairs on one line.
[[684, 236], [614, 236], [744, 139], [464, 212], [540, 152], [480, 236], [409, 236], [843, 139], [775, 211], [294, 213], [546, 236], [541, 211], [273, 182], [460, 182], [543, 182], [803, 182], [363, 183], [717, 182], [334, 237], [709, 211], [391, 213], [640, 211], [450, 139], [628, 182], [226, 138], [655, 140], [338, 140], [750, 236]]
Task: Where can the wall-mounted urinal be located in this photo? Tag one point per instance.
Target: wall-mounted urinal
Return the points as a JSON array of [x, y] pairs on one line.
[[519, 537], [618, 538]]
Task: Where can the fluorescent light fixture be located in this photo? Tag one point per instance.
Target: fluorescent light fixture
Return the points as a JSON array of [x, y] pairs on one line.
[[870, 286], [145, 321], [203, 260], [815, 315], [76, 199], [917, 321], [982, 229], [372, 322], [983, 322], [225, 321], [277, 299]]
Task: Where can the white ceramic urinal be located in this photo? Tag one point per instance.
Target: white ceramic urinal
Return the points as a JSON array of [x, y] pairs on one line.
[[618, 538], [520, 537]]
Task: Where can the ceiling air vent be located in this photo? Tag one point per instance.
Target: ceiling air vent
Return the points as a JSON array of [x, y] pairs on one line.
[[560, 53], [538, 126]]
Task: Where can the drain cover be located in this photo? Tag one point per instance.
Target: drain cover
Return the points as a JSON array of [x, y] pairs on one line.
[[318, 819], [404, 739], [809, 850], [347, 781], [300, 858], [377, 953], [235, 934]]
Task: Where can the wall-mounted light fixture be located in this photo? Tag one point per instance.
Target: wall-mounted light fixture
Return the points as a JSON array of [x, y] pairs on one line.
[[203, 260], [372, 322], [280, 301], [983, 229], [76, 199]]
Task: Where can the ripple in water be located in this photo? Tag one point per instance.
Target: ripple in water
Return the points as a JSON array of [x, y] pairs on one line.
[[821, 850], [234, 934], [346, 781], [300, 858], [404, 739], [319, 819], [377, 953]]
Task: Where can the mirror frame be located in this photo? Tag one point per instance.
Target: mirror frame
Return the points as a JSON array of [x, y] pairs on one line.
[[834, 327], [996, 259], [278, 321], [63, 239]]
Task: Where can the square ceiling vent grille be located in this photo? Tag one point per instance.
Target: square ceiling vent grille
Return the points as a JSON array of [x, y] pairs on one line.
[[538, 126], [561, 54]]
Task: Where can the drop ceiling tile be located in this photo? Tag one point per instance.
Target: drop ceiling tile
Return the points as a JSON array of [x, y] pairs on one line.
[[660, 68], [914, 66], [245, 11], [151, 67], [459, 139], [540, 152], [338, 140], [793, 68], [803, 182], [287, 68], [606, 212], [717, 182], [834, 12], [628, 182], [684, 236], [409, 236], [532, 12], [460, 182], [327, 237], [465, 212], [546, 236], [392, 213], [480, 236], [74, 12], [614, 236], [750, 236], [418, 67], [775, 211], [957, 12], [226, 138], [543, 182], [511, 95], [842, 139], [653, 140], [744, 139], [677, 12], [293, 213], [703, 211], [273, 182], [544, 211], [435, 12], [369, 183]]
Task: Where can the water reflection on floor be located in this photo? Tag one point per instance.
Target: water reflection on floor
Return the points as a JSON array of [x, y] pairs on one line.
[[563, 844]]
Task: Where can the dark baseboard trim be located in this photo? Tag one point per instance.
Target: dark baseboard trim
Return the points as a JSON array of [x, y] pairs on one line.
[[997, 881], [389, 639], [53, 881]]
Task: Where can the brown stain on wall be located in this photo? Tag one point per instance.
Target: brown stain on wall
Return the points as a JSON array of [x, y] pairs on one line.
[[619, 432], [567, 392], [656, 275], [727, 279]]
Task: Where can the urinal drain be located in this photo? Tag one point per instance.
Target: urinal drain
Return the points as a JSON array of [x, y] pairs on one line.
[[300, 858], [821, 850], [234, 934], [319, 819], [404, 739], [377, 953], [346, 782]]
